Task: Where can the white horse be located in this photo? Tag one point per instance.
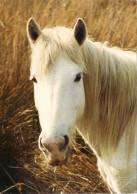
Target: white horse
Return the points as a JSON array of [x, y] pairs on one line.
[[86, 85]]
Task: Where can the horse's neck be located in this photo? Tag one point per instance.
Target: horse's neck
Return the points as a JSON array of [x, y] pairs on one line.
[[119, 171], [88, 128], [114, 168]]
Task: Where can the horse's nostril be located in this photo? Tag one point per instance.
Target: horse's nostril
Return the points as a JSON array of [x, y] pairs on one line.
[[66, 141], [44, 146], [41, 144], [63, 144]]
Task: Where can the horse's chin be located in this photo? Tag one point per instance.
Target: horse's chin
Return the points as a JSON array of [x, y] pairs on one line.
[[58, 159], [57, 163]]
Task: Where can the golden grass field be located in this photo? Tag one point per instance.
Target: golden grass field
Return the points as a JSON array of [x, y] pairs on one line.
[[22, 166]]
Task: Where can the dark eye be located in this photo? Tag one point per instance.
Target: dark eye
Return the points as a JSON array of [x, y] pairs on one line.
[[78, 77], [34, 80]]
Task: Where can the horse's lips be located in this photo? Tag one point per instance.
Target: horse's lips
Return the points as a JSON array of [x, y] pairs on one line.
[[55, 161]]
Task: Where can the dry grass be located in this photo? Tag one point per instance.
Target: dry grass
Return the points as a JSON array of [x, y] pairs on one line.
[[21, 165]]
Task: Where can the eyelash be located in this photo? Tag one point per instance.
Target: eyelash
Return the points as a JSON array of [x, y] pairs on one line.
[[34, 80], [78, 77]]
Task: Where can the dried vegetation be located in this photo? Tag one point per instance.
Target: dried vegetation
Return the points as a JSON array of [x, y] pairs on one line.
[[22, 167]]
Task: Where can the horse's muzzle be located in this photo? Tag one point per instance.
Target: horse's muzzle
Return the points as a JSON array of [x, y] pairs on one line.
[[59, 160], [56, 151]]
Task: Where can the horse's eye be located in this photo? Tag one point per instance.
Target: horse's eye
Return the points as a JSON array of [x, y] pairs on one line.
[[78, 77], [34, 80]]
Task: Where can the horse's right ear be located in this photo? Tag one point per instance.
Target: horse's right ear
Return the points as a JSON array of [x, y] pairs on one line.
[[80, 31], [33, 31]]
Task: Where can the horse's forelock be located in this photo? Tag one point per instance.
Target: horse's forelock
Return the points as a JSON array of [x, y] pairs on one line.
[[61, 41]]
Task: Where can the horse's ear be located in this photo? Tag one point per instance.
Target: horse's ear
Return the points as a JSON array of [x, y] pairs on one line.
[[33, 30], [80, 31]]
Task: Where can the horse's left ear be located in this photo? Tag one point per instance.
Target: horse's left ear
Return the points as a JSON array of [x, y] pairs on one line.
[[80, 31], [33, 31]]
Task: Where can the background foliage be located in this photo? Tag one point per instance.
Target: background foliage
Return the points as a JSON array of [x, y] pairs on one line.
[[22, 167]]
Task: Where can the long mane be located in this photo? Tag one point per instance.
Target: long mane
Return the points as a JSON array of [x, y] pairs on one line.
[[110, 91], [110, 87]]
